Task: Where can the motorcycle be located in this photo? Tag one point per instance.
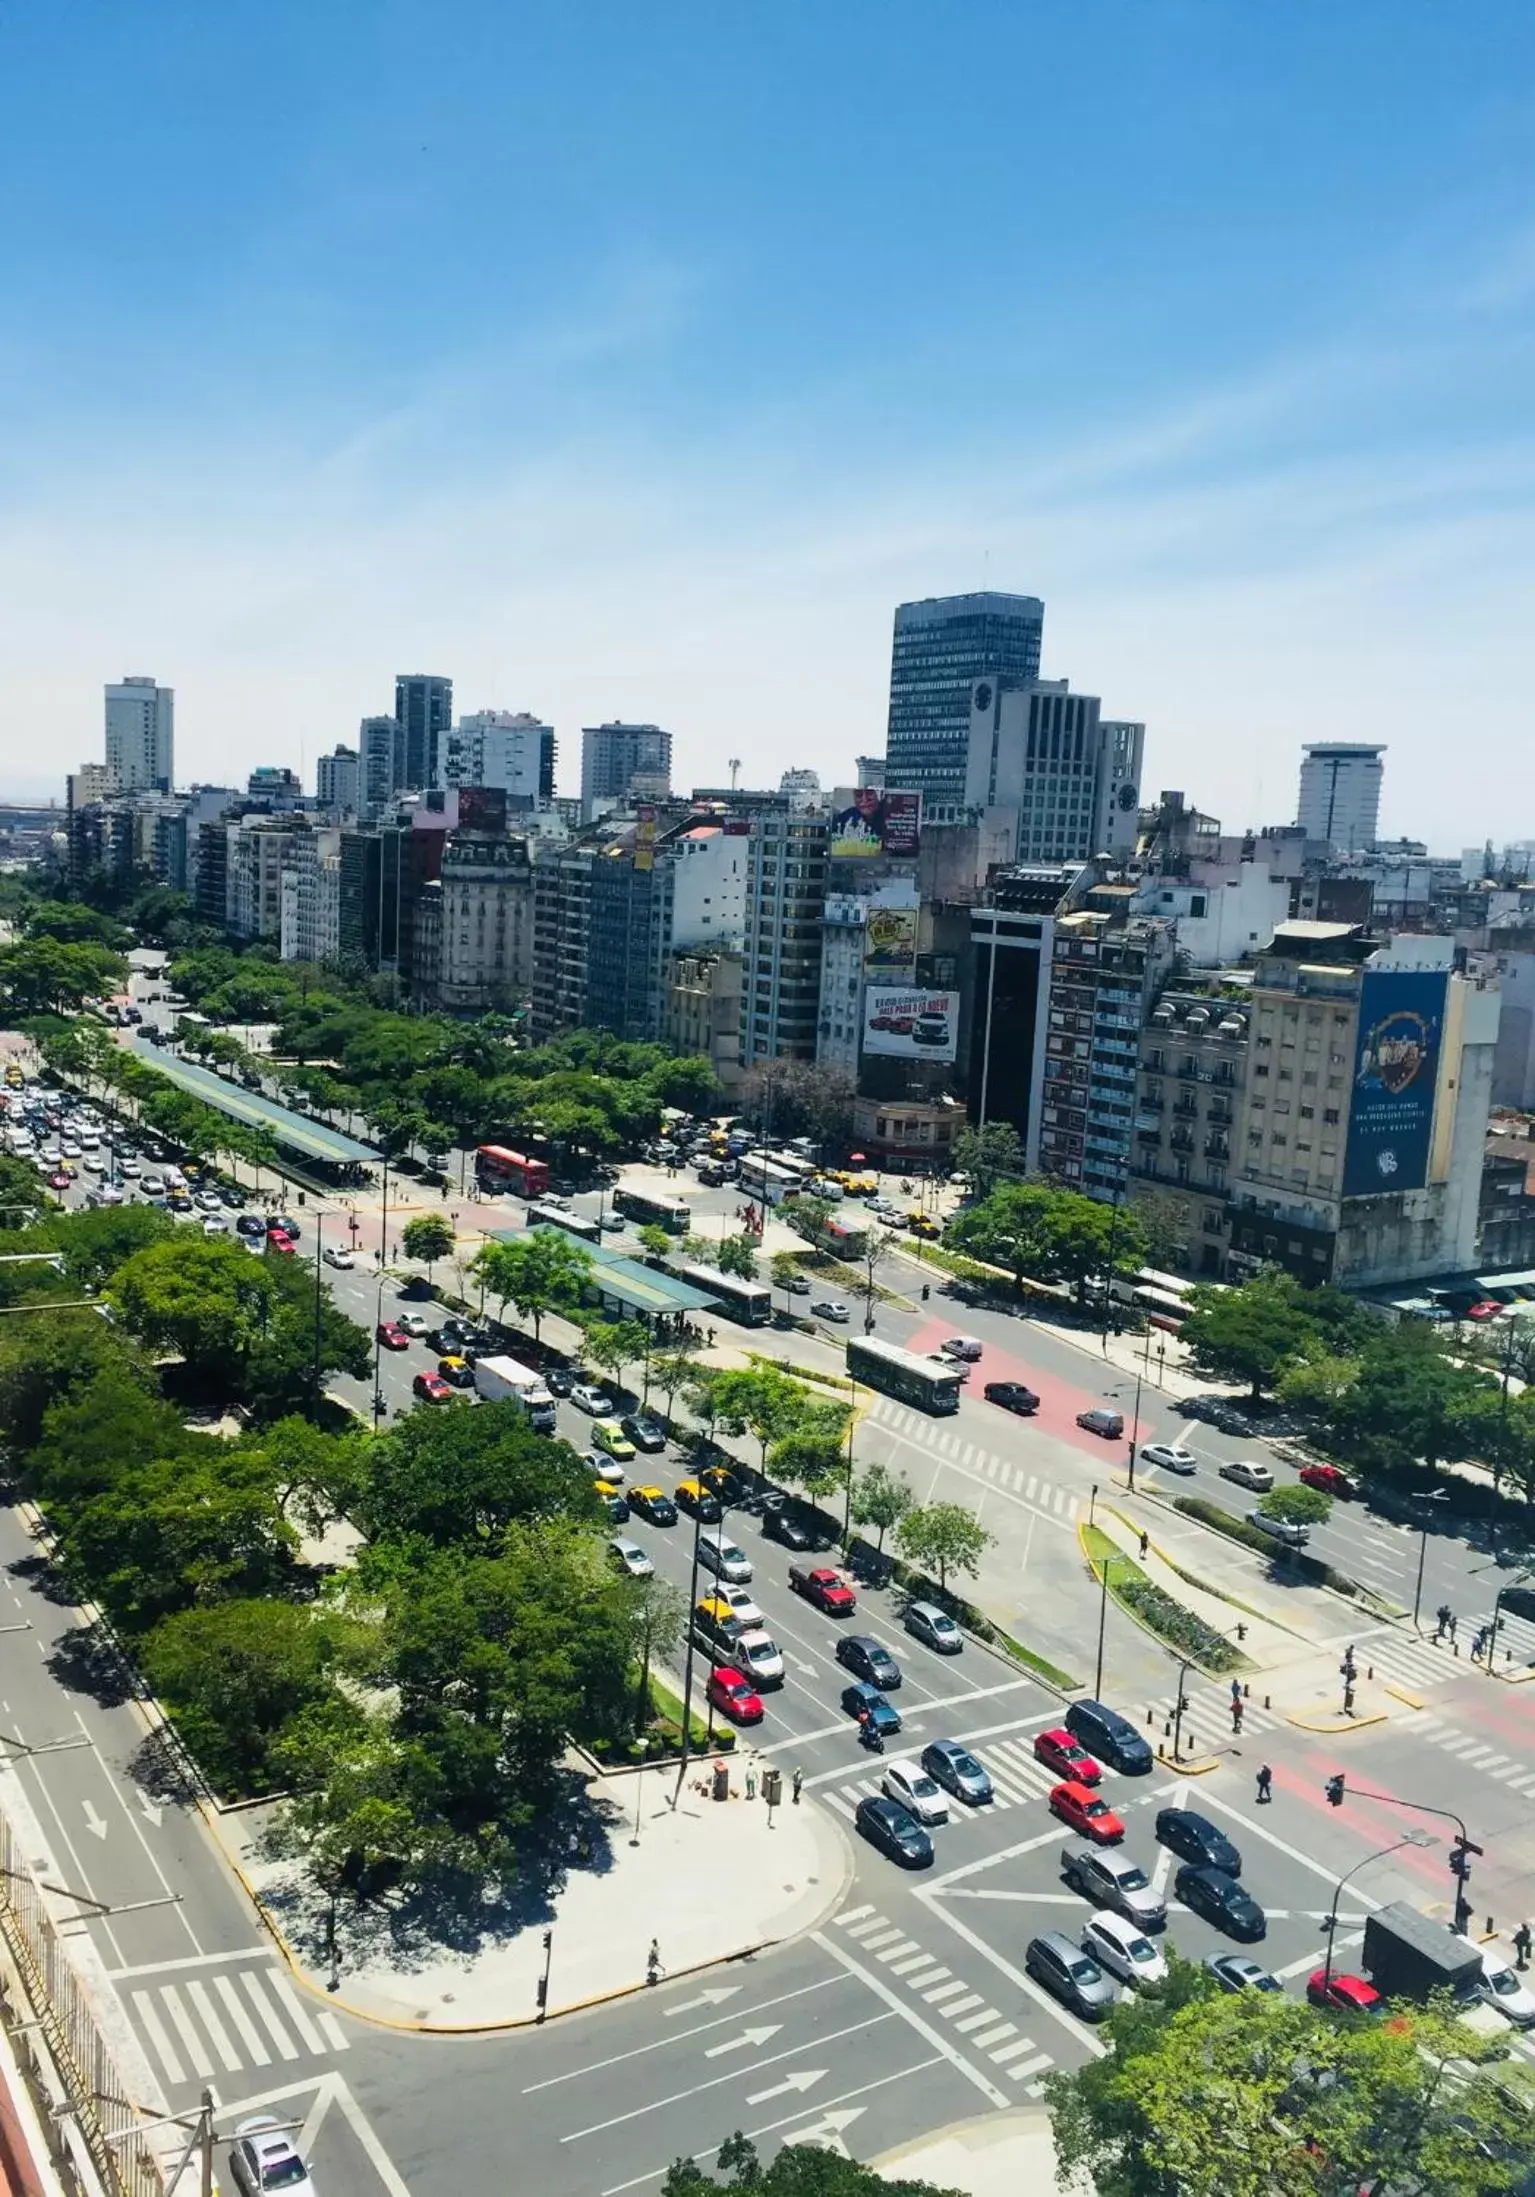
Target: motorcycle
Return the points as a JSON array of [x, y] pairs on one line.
[[868, 1736]]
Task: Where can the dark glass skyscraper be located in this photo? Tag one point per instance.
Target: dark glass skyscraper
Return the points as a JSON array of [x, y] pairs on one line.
[[423, 709], [942, 646]]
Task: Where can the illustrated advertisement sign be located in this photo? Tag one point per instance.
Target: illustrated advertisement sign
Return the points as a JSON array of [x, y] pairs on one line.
[[890, 941], [911, 1024], [879, 822], [1396, 1068]]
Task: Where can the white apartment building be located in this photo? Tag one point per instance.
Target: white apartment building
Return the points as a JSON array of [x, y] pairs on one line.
[[1339, 801], [1072, 776], [709, 868], [260, 848], [140, 731], [505, 748], [844, 946], [474, 935], [311, 898], [338, 780]]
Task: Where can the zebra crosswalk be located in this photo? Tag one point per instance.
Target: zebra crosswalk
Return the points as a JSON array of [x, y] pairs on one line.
[[1003, 1472], [984, 2028], [1471, 1752], [223, 2021], [1016, 1780]]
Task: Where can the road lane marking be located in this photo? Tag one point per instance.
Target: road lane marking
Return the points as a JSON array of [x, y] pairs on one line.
[[249, 2035], [1008, 2052], [331, 2024], [193, 2045], [974, 2021], [881, 1989], [989, 2037], [904, 1966], [288, 1999], [944, 1991], [1025, 2068], [699, 2029], [154, 2029], [192, 1960], [802, 2079], [1015, 1976], [136, 1822], [960, 2006], [198, 1994], [886, 1936], [655, 2105], [895, 1952], [851, 1915], [875, 1922], [273, 2027]]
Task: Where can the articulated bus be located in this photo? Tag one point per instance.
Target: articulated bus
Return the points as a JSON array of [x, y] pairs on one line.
[[749, 1302], [642, 1206], [498, 1169], [919, 1381], [574, 1224]]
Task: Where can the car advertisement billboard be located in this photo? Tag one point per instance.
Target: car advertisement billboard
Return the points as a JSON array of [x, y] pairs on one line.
[[889, 942], [879, 822], [911, 1024], [1396, 1069], [482, 809]]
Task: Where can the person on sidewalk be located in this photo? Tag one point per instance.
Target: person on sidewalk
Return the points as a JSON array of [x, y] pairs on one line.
[[1522, 1944], [653, 1969], [1145, 1542], [799, 1779], [1265, 1782], [1441, 1620], [1236, 1719]]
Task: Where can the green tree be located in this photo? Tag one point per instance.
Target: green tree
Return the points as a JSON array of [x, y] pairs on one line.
[[880, 1500], [987, 1153], [1043, 1234], [43, 973], [198, 1526], [943, 1537], [613, 1345], [1202, 2094], [673, 1369], [463, 1477], [759, 1401], [797, 2170], [785, 1270], [1248, 1334], [658, 1615], [657, 1241], [233, 1674], [428, 1237], [541, 1271], [95, 1243], [738, 1255], [319, 1476], [807, 1216], [357, 1822], [1164, 1222], [814, 1455], [1298, 1506], [50, 1359]]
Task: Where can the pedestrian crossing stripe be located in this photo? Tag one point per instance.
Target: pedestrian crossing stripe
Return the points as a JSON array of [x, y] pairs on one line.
[[984, 2027], [1474, 1754], [1016, 1780], [200, 2028], [1002, 1470]]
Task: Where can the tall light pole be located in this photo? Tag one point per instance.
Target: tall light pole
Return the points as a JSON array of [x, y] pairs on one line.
[[1417, 1592], [1103, 1612], [1409, 1838], [687, 1667]]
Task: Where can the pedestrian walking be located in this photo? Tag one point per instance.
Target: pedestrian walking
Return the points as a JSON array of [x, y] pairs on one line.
[[1522, 1944], [799, 1779], [1265, 1781], [1454, 1622], [1441, 1620], [751, 1784], [1477, 1644], [1236, 1719], [1236, 1689], [1145, 1542], [653, 1969]]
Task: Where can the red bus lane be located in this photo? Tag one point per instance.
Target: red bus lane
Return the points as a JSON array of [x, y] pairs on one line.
[[1059, 1401], [1499, 1880]]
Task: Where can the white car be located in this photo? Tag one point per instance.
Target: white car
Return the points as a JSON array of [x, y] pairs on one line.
[[337, 1255], [1248, 1473], [1169, 1456], [1280, 1529], [414, 1325], [827, 1308], [906, 1781], [95, 1163], [1502, 1986], [68, 1147], [1123, 1950], [214, 1224], [605, 1469], [130, 1167], [961, 1346], [758, 1655], [153, 1186], [109, 1193], [262, 2157], [595, 1400], [741, 1604], [630, 1558], [208, 1201]]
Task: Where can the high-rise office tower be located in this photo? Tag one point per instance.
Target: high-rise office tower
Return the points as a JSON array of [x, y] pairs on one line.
[[338, 779], [380, 763], [942, 647], [1339, 802], [423, 708], [618, 761], [141, 735], [506, 748], [1073, 778]]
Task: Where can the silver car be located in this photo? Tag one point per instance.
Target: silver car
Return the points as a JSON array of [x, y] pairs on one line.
[[1279, 1529], [1112, 1879], [1070, 1975], [925, 1621], [957, 1771]]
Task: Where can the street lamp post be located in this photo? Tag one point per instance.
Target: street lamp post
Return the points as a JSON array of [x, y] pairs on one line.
[[1135, 1428], [1103, 1613], [1417, 1592], [1183, 1679], [1410, 1838], [1497, 1612], [687, 1667]]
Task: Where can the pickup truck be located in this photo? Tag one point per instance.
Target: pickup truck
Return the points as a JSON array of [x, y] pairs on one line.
[[822, 1586]]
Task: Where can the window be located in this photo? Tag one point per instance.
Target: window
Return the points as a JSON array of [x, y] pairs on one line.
[[1330, 1114], [1307, 1112]]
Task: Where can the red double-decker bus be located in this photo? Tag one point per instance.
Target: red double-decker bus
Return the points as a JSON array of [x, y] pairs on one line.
[[499, 1169]]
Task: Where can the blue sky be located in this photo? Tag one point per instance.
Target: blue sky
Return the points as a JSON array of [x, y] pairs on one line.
[[637, 362]]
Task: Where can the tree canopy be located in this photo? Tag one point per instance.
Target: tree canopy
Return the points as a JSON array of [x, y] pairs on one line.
[[1040, 1233]]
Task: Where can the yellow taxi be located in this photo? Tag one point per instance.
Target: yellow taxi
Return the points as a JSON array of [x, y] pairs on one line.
[[717, 1623], [607, 1434], [457, 1372], [698, 1501], [14, 1077], [921, 1224]]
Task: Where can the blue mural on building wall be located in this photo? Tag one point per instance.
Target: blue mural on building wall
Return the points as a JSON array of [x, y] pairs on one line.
[[1396, 1069]]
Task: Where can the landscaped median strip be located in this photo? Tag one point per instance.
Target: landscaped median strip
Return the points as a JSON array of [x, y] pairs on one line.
[[1154, 1610]]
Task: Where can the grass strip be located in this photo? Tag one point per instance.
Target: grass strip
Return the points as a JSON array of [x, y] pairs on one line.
[[1155, 1610]]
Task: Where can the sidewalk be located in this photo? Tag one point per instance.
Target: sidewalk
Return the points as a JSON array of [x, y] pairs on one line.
[[995, 2155], [1267, 1645], [437, 1971]]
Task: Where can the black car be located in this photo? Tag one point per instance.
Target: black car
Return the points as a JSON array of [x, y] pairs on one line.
[[250, 1224], [643, 1432], [618, 1509], [558, 1379], [1519, 1601], [869, 1659], [283, 1224], [783, 1526], [867, 1703], [445, 1340], [1221, 1900], [886, 1824], [658, 1508], [1196, 1839], [1012, 1396]]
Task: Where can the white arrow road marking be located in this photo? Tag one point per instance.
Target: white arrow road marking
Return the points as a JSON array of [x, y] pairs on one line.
[[747, 2036], [800, 2081], [827, 2131], [150, 1811], [714, 1995], [94, 1821], [806, 1670]]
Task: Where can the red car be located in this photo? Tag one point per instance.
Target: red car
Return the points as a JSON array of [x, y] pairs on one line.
[[735, 1695], [1059, 1752], [1349, 1994], [1330, 1480], [821, 1585], [1488, 1309], [277, 1241], [1086, 1812], [392, 1337], [58, 1182], [431, 1388]]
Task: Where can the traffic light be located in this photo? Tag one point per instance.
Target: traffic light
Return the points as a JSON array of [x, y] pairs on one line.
[[1335, 1791], [1460, 1865]]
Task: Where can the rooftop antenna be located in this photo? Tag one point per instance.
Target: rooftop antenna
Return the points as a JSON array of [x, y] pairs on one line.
[[735, 771]]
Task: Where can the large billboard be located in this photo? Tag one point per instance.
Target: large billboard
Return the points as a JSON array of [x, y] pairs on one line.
[[889, 943], [879, 822], [912, 1024], [482, 809], [1396, 1068]]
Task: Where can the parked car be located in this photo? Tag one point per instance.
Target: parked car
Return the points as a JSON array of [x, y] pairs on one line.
[[788, 1528], [866, 1702], [1066, 1756], [1012, 1396], [957, 1771], [926, 1622], [1086, 1811], [654, 1504], [1195, 1838], [889, 1826], [1502, 1986], [828, 1308], [905, 1780], [1110, 1878], [1221, 1900], [1124, 1951], [1070, 1975], [1235, 1972], [698, 1501], [1280, 1529], [1248, 1472], [1169, 1457], [869, 1658], [1109, 1424], [630, 1558]]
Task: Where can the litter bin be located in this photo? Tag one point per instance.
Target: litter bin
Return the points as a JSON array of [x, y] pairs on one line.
[[772, 1787], [722, 1781]]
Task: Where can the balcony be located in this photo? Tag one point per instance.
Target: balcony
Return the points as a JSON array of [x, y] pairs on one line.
[[1186, 1107], [1217, 1148], [1188, 1071], [1181, 1140]]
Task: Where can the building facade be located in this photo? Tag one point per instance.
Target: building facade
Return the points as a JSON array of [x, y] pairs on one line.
[[380, 764], [786, 890], [260, 848], [1339, 800], [1012, 940], [621, 762], [1072, 777], [703, 1012], [474, 936], [1104, 971], [503, 748], [141, 736], [1193, 1059], [423, 710], [311, 898], [338, 781], [941, 648]]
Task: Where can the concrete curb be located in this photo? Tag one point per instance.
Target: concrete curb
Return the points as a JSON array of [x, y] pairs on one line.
[[1333, 1724], [1400, 1693], [1135, 1618]]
